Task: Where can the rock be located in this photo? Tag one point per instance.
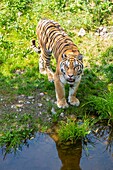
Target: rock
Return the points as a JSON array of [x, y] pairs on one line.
[[53, 110], [19, 110], [41, 94], [13, 107], [40, 104], [101, 31], [27, 102], [82, 32], [62, 114], [30, 97], [19, 105], [19, 14], [20, 101]]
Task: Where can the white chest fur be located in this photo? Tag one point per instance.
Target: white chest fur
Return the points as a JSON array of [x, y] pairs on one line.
[[62, 79]]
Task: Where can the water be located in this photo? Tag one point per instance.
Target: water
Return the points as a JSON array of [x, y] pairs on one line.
[[42, 153]]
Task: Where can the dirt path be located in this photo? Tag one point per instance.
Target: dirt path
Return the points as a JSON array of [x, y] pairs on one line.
[[35, 104]]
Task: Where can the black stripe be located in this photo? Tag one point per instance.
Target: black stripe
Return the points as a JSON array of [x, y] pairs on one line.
[[62, 43], [63, 46], [52, 31], [44, 31], [59, 48], [55, 36], [42, 27], [53, 39], [48, 27]]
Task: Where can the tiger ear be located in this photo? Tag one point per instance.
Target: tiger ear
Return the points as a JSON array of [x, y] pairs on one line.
[[64, 56], [80, 57]]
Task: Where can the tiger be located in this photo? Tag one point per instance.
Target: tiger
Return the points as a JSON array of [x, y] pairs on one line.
[[53, 40]]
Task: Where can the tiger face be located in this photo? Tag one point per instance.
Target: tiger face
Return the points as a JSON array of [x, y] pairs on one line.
[[71, 68]]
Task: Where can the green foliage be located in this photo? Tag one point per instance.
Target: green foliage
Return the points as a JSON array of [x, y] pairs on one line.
[[100, 11], [94, 12], [107, 64], [19, 4], [15, 129], [72, 131], [58, 5], [103, 105]]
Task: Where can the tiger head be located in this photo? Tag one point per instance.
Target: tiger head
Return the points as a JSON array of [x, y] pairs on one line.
[[71, 67]]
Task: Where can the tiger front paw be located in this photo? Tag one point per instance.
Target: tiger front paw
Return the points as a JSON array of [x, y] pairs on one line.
[[62, 104], [73, 101]]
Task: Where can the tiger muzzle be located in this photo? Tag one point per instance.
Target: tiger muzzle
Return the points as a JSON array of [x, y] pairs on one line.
[[70, 79]]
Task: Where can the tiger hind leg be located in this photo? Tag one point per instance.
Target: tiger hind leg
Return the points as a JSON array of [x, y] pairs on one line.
[[42, 69]]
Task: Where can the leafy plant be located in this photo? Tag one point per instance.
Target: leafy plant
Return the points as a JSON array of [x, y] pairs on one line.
[[103, 105], [72, 131], [99, 11], [16, 129]]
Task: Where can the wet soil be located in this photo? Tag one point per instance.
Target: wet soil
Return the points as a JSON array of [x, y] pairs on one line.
[[35, 104]]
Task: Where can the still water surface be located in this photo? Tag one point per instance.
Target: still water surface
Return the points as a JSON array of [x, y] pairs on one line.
[[42, 153]]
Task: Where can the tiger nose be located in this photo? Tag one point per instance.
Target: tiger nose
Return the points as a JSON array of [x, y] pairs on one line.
[[70, 75]]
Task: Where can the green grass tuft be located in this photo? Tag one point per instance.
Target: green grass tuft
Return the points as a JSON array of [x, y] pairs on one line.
[[72, 131], [16, 129]]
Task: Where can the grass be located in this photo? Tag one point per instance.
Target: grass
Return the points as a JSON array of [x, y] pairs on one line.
[[103, 105], [15, 129], [19, 73], [73, 131]]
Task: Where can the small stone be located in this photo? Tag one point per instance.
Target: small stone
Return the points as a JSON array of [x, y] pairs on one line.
[[49, 119], [53, 110], [30, 97], [39, 104], [40, 113], [56, 102], [101, 31], [47, 99], [32, 138], [62, 114], [27, 102], [19, 105], [20, 101], [19, 110], [52, 101], [13, 106], [41, 94], [69, 21], [21, 96], [82, 32], [19, 14]]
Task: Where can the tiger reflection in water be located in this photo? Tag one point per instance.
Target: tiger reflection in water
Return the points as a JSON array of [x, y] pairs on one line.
[[70, 156]]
